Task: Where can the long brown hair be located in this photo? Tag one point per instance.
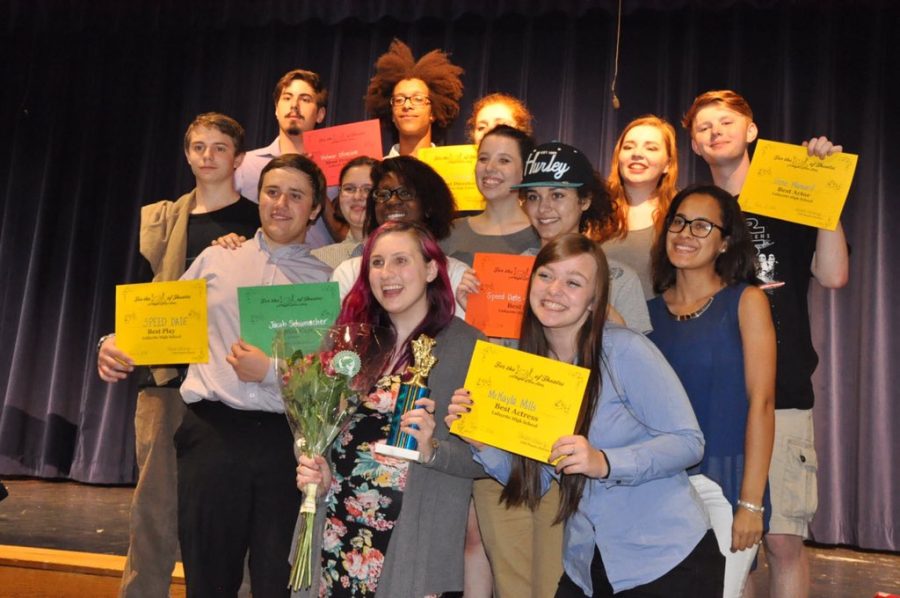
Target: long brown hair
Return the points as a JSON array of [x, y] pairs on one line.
[[524, 485], [666, 186]]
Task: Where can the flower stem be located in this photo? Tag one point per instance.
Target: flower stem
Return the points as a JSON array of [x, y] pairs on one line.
[[301, 571]]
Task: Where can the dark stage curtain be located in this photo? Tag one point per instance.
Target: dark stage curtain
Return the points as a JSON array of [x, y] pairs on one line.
[[97, 96]]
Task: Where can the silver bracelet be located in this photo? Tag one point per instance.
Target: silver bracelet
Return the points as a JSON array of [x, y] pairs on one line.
[[758, 509], [434, 449]]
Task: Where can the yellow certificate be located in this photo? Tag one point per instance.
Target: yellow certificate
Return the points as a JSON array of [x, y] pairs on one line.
[[456, 165], [160, 323], [784, 182], [523, 403]]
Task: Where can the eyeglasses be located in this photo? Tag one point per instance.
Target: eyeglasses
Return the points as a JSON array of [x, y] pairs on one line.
[[384, 195], [353, 189], [699, 227], [416, 100]]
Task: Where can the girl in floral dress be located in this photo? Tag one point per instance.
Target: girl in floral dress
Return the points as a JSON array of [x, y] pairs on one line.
[[392, 527]]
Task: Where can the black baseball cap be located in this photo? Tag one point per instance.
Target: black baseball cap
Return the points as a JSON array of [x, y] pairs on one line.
[[556, 164]]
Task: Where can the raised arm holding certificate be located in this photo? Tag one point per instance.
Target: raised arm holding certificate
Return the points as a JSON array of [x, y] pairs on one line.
[[785, 182], [456, 165], [497, 308], [522, 403], [160, 323], [332, 147], [267, 309]]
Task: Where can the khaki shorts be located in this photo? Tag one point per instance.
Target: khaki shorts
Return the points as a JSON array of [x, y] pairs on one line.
[[792, 474]]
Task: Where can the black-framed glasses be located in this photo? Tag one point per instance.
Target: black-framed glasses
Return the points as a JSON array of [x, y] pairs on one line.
[[350, 189], [384, 195], [416, 100], [699, 227]]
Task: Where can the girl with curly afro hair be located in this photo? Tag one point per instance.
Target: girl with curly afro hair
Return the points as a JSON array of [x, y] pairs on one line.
[[417, 96]]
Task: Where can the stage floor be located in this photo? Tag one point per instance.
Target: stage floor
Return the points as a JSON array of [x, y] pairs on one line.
[[72, 516]]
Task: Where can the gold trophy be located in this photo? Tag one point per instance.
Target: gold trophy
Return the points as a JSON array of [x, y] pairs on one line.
[[399, 444]]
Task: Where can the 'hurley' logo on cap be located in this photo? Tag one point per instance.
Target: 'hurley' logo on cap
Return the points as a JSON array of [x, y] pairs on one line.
[[545, 161]]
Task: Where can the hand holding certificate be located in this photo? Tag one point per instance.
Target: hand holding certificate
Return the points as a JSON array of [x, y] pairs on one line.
[[332, 147], [785, 182], [522, 403], [160, 323], [307, 308], [498, 307]]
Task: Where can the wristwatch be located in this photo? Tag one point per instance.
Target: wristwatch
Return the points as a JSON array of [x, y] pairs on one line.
[[103, 339]]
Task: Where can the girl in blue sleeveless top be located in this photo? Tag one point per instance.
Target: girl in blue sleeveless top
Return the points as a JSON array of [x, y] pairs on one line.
[[715, 329]]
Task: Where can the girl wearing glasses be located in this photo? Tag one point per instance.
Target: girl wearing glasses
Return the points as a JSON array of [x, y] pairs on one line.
[[632, 523], [355, 185], [416, 96], [404, 188], [642, 179], [391, 527], [715, 328]]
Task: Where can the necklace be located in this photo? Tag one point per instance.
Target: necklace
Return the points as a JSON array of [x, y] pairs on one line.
[[694, 314]]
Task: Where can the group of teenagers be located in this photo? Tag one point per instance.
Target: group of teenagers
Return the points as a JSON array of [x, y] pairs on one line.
[[693, 442]]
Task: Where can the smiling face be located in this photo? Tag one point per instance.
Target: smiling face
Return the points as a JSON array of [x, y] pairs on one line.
[[395, 208], [554, 211], [412, 121], [643, 158], [210, 154], [563, 294], [286, 206], [685, 251], [355, 187], [296, 110], [399, 277], [499, 165], [490, 116], [720, 135]]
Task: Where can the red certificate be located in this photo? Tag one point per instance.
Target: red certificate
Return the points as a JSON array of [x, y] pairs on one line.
[[497, 310], [332, 147]]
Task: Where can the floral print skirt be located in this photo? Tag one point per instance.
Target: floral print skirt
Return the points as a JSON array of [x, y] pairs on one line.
[[363, 502]]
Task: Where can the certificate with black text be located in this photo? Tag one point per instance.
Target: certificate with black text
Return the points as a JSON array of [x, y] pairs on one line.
[[306, 307], [159, 323], [785, 182], [522, 403]]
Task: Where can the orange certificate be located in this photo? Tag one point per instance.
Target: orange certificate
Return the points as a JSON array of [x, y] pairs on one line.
[[497, 310], [333, 147]]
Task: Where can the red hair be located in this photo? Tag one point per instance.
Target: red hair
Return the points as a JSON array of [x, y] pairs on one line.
[[521, 115], [730, 99], [361, 306], [665, 188]]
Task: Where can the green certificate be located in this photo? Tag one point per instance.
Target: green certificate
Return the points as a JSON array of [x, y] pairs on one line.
[[266, 309], [159, 323]]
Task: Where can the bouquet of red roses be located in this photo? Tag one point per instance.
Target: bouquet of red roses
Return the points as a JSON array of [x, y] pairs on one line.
[[320, 390]]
